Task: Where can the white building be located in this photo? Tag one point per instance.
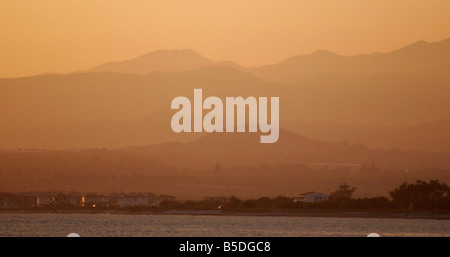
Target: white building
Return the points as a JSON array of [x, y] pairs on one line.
[[310, 197]]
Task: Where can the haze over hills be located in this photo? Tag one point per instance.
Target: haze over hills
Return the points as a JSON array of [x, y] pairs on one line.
[[432, 136], [112, 96], [242, 149], [220, 164], [155, 129], [418, 57], [151, 129], [381, 100], [162, 60], [403, 88]]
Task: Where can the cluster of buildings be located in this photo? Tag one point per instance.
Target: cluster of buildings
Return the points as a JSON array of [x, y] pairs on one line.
[[75, 199], [113, 200]]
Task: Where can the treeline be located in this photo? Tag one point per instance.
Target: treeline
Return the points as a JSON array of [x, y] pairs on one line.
[[421, 195], [280, 203]]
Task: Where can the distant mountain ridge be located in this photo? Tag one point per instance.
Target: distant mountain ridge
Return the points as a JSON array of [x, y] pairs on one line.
[[105, 108], [416, 57], [161, 60]]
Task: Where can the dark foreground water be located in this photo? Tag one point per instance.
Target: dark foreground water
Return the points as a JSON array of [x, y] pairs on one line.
[[117, 225]]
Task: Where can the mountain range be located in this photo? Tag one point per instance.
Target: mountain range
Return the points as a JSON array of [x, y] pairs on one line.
[[417, 57], [162, 60], [393, 100]]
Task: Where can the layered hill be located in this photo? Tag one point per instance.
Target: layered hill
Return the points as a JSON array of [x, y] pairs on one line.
[[244, 149], [432, 136], [162, 60], [418, 57], [114, 104]]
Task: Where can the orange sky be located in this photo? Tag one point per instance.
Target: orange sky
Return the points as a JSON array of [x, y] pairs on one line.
[[64, 36]]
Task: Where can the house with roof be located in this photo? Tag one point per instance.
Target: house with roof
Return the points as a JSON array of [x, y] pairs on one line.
[[310, 197]]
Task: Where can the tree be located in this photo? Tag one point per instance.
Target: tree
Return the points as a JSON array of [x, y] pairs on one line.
[[421, 195], [343, 192]]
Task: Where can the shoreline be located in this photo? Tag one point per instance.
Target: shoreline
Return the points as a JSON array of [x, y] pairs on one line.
[[382, 214]]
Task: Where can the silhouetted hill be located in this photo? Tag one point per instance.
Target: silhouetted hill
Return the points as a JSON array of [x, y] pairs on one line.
[[151, 129], [243, 149], [416, 57], [47, 100], [162, 60], [434, 136], [39, 111], [105, 109], [155, 129]]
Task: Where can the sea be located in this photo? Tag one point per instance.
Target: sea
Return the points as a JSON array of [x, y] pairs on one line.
[[125, 225]]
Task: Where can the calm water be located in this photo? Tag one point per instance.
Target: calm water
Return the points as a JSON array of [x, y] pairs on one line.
[[60, 225]]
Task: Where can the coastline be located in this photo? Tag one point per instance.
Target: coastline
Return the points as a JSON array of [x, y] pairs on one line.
[[382, 214]]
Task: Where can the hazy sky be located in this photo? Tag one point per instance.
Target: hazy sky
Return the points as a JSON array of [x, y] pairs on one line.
[[64, 36]]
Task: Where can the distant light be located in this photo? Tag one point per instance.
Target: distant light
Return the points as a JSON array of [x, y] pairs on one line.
[[373, 235], [73, 235]]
